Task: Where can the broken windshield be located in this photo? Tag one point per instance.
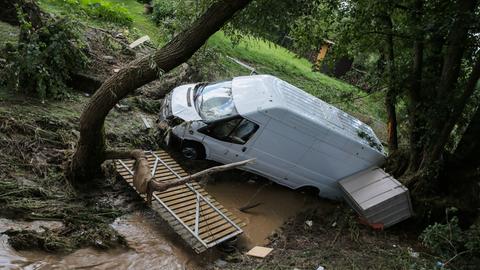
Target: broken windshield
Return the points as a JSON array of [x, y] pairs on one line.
[[215, 101]]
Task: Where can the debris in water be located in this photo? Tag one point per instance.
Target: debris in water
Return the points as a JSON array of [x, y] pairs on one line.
[[260, 252], [220, 263], [139, 42], [248, 207], [309, 223]]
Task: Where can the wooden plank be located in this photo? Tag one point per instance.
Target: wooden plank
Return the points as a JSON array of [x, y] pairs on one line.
[[219, 235], [160, 169], [187, 196], [151, 161], [209, 226], [208, 216], [217, 230]]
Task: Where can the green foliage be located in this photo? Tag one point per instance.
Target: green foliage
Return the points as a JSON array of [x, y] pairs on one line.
[[164, 13], [42, 62], [174, 16], [444, 239], [163, 10], [99, 9], [449, 241]]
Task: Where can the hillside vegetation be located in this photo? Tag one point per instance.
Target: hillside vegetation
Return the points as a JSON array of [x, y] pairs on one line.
[[265, 56]]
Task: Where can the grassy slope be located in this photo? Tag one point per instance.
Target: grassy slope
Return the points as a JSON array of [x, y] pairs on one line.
[[8, 33]]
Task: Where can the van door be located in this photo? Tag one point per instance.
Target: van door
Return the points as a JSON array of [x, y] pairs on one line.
[[242, 139], [228, 141]]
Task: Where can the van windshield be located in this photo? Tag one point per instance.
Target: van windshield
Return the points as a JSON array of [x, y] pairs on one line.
[[215, 101]]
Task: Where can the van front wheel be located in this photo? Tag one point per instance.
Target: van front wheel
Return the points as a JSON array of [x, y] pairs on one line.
[[193, 150]]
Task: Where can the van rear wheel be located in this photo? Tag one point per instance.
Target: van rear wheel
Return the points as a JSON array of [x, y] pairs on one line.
[[192, 150]]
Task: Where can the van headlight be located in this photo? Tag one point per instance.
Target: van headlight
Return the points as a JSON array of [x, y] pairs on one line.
[[166, 108]]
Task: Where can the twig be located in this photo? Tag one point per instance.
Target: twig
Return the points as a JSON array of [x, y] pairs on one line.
[[249, 206], [156, 186]]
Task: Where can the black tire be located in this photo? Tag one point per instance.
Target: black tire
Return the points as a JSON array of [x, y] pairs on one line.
[[192, 150]]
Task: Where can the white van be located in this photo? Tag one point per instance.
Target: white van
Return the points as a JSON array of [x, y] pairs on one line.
[[297, 139]]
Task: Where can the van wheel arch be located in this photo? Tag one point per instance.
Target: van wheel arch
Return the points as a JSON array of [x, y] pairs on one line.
[[193, 150], [311, 190]]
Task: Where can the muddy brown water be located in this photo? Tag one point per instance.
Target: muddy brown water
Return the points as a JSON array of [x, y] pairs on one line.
[[154, 246]]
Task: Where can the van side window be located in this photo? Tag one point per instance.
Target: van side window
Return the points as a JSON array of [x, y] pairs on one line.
[[237, 130], [222, 130], [243, 132]]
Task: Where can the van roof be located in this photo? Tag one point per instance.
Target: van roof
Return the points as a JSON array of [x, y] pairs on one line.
[[270, 95]]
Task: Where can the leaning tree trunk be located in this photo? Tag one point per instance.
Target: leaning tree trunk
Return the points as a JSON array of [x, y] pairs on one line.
[[90, 150]]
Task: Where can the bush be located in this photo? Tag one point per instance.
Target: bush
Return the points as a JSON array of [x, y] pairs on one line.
[[163, 10], [44, 58], [449, 241]]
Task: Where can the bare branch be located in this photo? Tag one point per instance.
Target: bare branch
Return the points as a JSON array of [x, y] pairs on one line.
[[156, 186]]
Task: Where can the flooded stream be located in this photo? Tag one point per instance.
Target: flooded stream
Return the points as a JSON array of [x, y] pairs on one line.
[[151, 247], [154, 246]]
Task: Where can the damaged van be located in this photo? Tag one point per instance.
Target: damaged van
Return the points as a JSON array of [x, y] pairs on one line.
[[297, 139]]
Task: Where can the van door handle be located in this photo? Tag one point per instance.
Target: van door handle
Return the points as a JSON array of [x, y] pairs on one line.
[[244, 149]]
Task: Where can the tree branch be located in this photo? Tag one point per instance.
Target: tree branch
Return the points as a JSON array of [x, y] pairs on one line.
[[162, 186]]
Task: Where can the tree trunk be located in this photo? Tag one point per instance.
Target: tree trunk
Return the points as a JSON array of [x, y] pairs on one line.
[[447, 111], [466, 153], [90, 151], [458, 107], [415, 95], [390, 96], [9, 14], [8, 11]]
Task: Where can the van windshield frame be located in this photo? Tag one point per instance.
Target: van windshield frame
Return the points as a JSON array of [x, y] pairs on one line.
[[214, 101]]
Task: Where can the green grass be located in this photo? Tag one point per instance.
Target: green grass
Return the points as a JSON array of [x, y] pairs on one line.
[[141, 23], [8, 33]]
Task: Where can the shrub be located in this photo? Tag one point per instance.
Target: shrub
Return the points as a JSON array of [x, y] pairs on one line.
[[163, 10], [44, 58], [449, 241]]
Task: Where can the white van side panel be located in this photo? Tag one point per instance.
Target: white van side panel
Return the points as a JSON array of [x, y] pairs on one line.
[[314, 154], [278, 153]]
